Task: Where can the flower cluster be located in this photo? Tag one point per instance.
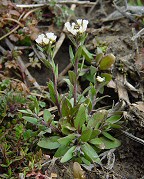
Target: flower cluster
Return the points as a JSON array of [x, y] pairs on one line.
[[77, 28], [100, 79], [45, 39]]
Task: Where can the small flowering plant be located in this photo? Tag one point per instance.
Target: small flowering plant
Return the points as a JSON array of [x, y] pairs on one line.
[[46, 44], [79, 130]]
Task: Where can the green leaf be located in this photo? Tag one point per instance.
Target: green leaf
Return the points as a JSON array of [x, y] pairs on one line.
[[66, 107], [98, 143], [95, 133], [88, 56], [86, 134], [93, 70], [107, 135], [71, 54], [61, 150], [66, 140], [26, 41], [30, 119], [89, 104], [47, 130], [27, 111], [92, 93], [113, 119], [52, 91], [49, 143], [46, 63], [85, 161], [78, 53], [66, 128], [91, 153], [56, 70], [47, 115], [109, 144], [99, 57], [97, 119], [80, 117], [107, 61], [90, 76], [116, 126], [72, 77], [68, 155], [70, 87], [27, 134], [107, 77]]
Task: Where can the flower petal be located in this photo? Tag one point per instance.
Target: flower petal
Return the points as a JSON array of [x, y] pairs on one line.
[[46, 40], [100, 79], [79, 22]]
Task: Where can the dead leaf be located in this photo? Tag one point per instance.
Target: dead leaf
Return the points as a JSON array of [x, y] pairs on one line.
[[11, 64], [13, 37], [139, 105], [38, 175], [14, 12], [78, 171], [111, 84], [53, 175]]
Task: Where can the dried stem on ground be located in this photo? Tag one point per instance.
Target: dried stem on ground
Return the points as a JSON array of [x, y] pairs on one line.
[[86, 3], [131, 136], [23, 67]]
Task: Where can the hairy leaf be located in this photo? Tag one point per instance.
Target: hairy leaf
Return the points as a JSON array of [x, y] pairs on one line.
[[86, 134], [68, 155], [30, 119], [107, 61], [91, 153], [66, 140], [80, 117], [49, 143], [109, 144]]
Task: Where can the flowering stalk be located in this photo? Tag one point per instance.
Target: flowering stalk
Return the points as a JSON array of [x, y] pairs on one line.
[[77, 30], [76, 81], [46, 41]]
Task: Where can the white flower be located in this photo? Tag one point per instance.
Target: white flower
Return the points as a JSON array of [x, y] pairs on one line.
[[77, 28], [45, 39], [79, 21], [51, 36], [39, 40], [70, 28], [100, 79]]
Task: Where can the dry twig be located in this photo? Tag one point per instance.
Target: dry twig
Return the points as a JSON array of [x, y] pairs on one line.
[[86, 3], [22, 65], [131, 136]]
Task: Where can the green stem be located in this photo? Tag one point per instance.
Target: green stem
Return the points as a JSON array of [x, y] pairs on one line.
[[56, 92], [75, 84]]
